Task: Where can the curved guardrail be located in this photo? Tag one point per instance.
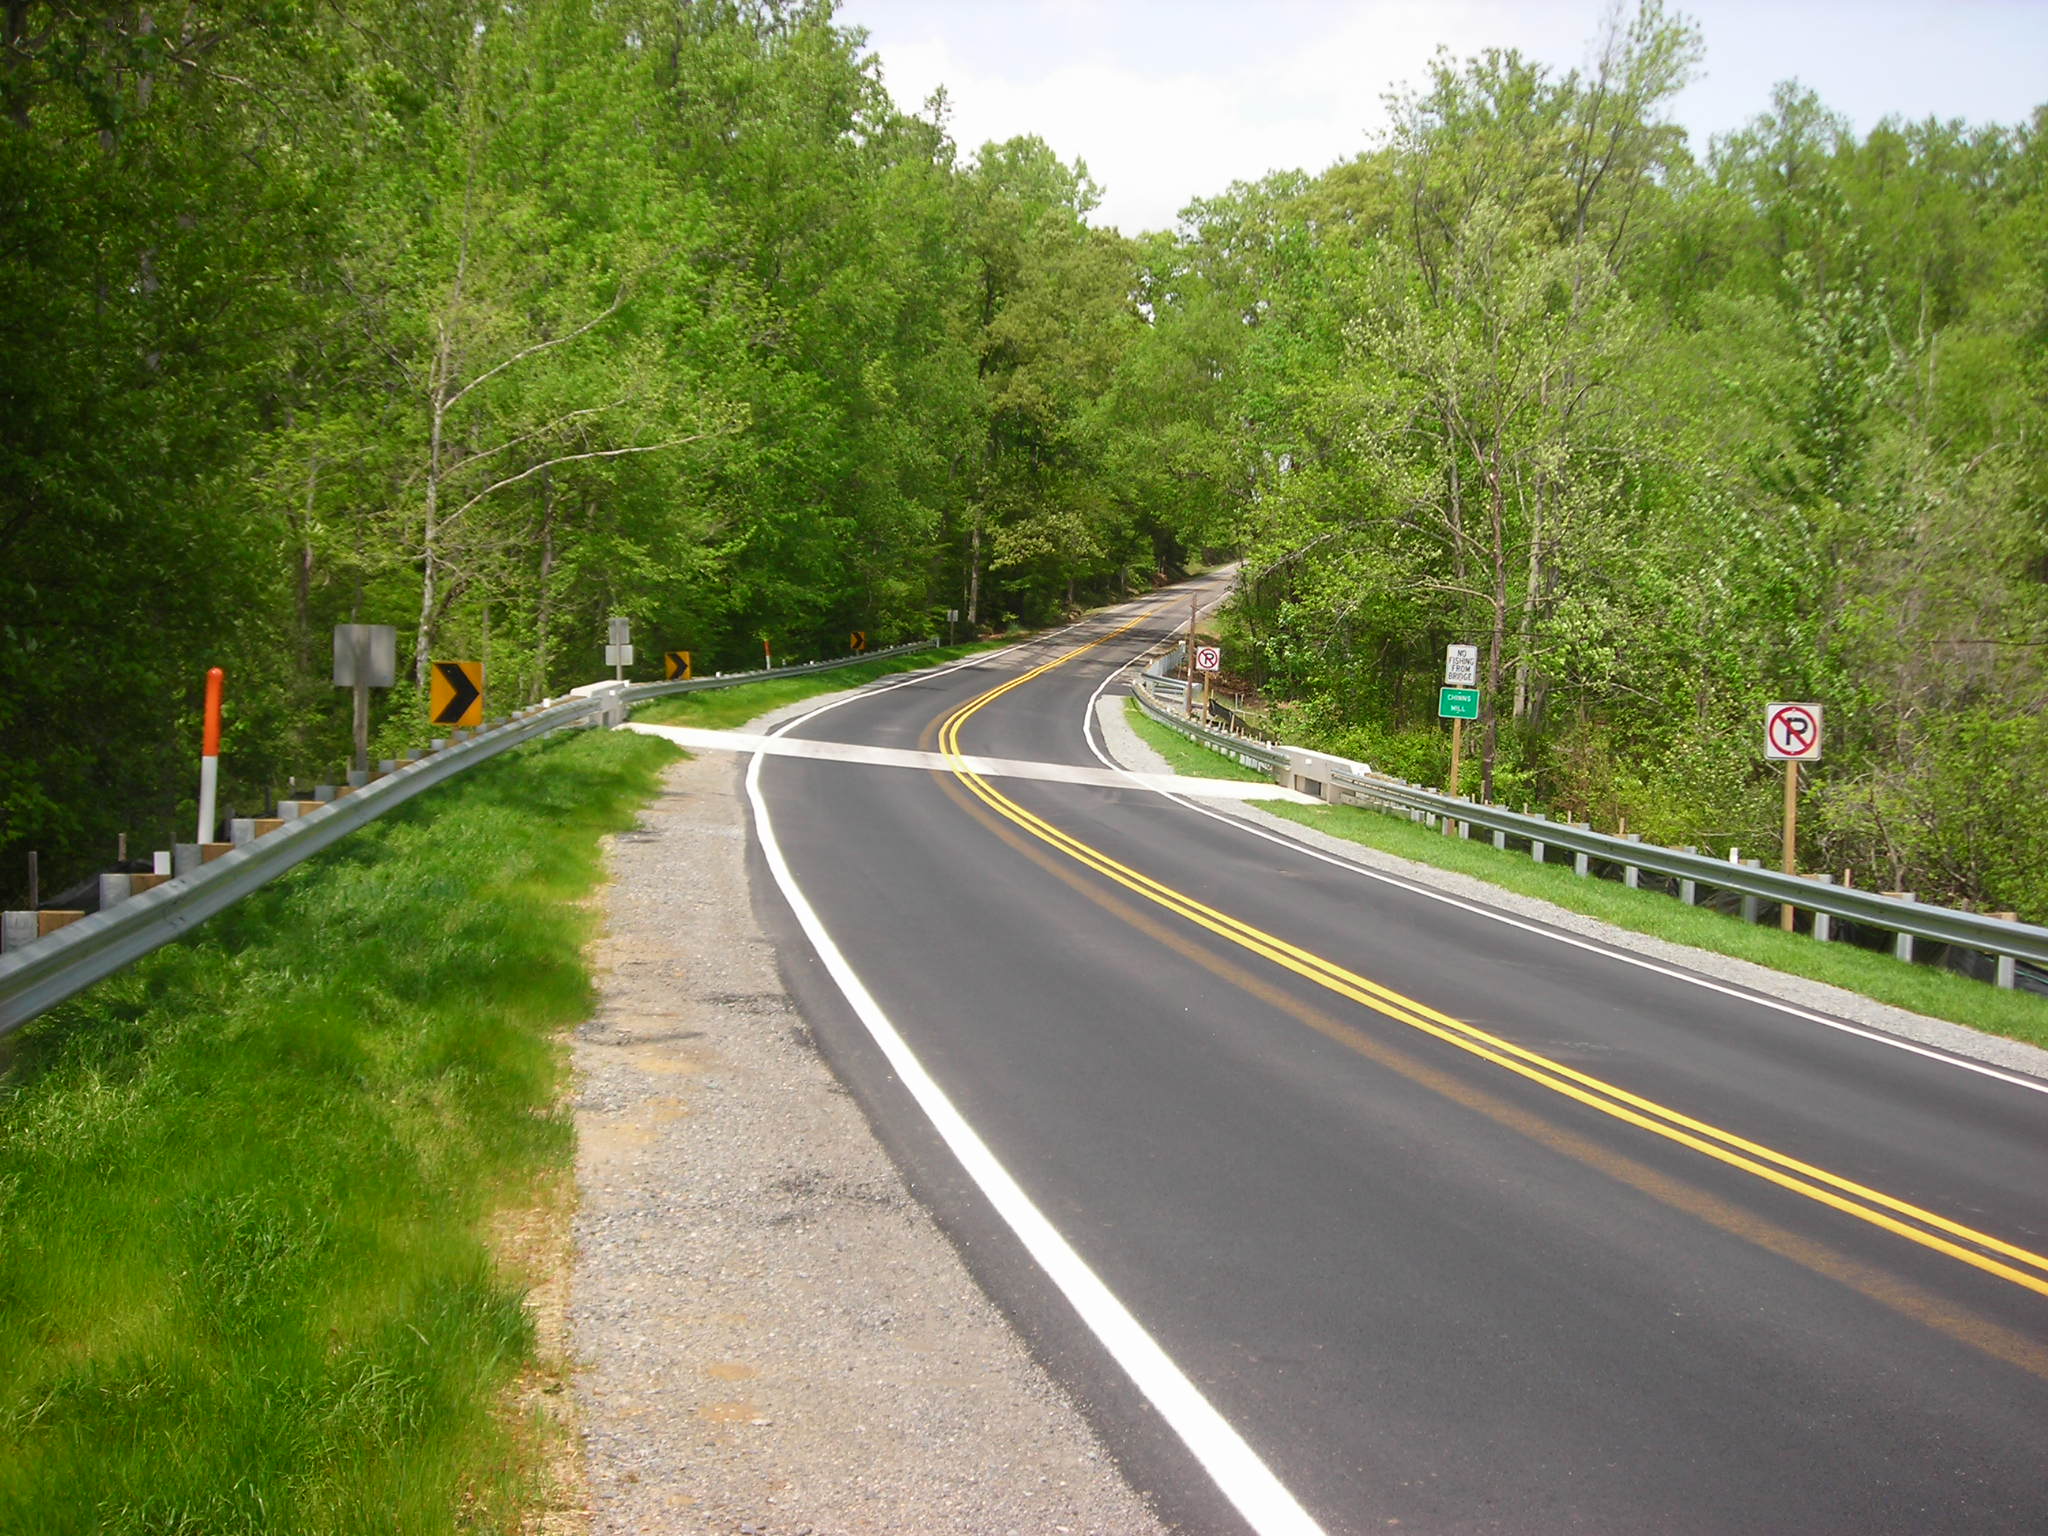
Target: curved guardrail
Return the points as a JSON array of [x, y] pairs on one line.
[[41, 974], [1341, 781]]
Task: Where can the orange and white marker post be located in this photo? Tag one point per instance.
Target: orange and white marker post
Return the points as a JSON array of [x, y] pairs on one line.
[[209, 755]]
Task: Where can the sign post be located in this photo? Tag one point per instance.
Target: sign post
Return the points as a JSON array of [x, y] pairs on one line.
[[618, 650], [1208, 662], [1791, 736], [952, 618], [1458, 701], [365, 657], [1461, 676]]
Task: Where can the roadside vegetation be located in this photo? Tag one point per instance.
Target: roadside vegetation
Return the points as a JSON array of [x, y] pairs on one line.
[[245, 1184], [1923, 989], [491, 323]]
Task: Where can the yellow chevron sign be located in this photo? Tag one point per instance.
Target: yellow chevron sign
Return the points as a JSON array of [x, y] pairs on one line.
[[455, 693]]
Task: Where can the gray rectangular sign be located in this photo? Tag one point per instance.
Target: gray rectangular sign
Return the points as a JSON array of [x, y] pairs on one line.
[[365, 655]]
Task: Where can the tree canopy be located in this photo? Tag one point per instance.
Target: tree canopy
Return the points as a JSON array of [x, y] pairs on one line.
[[492, 322]]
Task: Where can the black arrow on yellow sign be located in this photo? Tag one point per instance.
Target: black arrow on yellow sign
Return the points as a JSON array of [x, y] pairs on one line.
[[676, 664], [455, 693], [858, 640]]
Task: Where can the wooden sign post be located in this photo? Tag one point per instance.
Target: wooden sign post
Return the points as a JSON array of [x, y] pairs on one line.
[[1791, 736]]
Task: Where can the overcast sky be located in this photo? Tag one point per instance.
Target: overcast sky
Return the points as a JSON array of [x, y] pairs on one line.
[[1169, 100]]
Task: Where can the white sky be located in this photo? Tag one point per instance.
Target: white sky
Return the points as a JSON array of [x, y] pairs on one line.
[[1169, 100]]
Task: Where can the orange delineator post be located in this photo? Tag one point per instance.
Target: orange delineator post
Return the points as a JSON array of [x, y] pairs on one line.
[[209, 755]]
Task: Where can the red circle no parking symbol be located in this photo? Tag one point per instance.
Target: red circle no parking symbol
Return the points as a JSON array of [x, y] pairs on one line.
[[1792, 732]]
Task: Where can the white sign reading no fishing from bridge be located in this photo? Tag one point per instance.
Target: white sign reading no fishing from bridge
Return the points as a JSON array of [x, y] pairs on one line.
[[1461, 666], [1792, 733]]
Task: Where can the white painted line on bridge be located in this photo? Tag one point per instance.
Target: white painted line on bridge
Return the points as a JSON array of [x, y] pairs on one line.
[[697, 739]]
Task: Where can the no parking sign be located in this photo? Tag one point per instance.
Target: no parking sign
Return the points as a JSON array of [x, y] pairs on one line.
[[1792, 733]]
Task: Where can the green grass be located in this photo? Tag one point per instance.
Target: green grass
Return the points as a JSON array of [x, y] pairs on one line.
[[1186, 756], [243, 1184], [1924, 989], [721, 709]]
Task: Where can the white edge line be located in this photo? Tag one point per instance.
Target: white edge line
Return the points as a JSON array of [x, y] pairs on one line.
[[1238, 1471], [1591, 946]]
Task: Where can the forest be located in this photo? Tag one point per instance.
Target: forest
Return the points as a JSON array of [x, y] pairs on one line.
[[493, 322]]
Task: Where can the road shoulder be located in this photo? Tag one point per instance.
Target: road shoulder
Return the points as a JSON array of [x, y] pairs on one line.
[[772, 1334]]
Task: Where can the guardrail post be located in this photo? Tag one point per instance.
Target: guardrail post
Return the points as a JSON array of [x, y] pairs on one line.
[[1689, 889], [1536, 847], [1582, 864], [1823, 922], [2006, 964], [1630, 875], [1500, 841], [1751, 904], [1902, 943]]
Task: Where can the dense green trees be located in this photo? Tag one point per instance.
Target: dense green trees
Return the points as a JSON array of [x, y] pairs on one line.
[[1667, 439], [490, 322]]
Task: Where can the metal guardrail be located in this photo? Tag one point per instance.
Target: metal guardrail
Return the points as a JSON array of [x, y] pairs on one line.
[[637, 692], [41, 974], [1339, 781]]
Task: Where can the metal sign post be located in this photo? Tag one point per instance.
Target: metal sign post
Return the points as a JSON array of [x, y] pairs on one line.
[[618, 650], [1791, 736]]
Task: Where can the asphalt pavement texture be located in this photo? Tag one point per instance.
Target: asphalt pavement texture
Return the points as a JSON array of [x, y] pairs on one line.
[[1460, 1227]]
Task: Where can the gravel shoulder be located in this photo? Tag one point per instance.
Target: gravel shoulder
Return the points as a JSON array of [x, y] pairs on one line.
[[1131, 752], [771, 1334]]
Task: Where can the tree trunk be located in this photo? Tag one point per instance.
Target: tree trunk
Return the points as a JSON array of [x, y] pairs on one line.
[[974, 572], [544, 607], [1497, 640]]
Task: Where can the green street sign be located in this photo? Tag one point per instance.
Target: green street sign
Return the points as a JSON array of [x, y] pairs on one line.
[[1457, 703]]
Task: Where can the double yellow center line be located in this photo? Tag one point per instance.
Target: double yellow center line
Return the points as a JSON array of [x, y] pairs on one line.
[[1980, 1250]]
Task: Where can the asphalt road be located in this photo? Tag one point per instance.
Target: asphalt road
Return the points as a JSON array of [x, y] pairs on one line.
[[1370, 1212]]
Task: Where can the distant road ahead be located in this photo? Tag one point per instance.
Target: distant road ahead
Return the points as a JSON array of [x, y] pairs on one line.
[[1405, 1217]]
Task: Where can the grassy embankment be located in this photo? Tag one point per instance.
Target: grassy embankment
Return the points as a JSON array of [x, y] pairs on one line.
[[1923, 989], [245, 1185]]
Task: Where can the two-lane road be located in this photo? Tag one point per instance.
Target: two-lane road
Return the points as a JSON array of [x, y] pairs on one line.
[[1341, 1204]]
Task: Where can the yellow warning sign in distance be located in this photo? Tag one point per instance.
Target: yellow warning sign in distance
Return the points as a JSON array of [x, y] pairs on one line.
[[675, 664], [455, 693]]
